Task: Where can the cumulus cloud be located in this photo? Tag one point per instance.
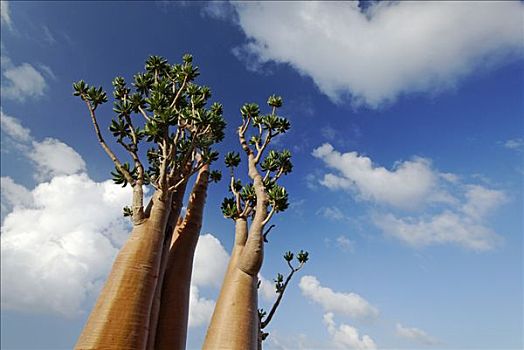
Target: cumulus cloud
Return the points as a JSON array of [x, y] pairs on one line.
[[22, 81], [349, 304], [347, 337], [415, 334], [200, 308], [405, 186], [54, 157], [57, 248], [210, 262], [387, 50]]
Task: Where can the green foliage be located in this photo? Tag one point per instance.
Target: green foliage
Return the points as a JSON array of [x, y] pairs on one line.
[[278, 197], [302, 257], [127, 211], [229, 208], [161, 98], [118, 176], [279, 283], [232, 159], [250, 110], [274, 101], [215, 176], [247, 194]]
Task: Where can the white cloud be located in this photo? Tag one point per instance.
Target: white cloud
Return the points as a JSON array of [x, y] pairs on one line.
[[266, 288], [464, 226], [13, 128], [21, 82], [347, 337], [200, 309], [210, 262], [480, 201], [406, 186], [415, 334], [349, 304], [446, 227], [461, 209], [53, 158], [332, 213], [391, 49], [57, 250], [515, 144], [5, 14], [209, 266]]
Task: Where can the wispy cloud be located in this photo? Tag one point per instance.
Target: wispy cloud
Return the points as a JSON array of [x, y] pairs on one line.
[[415, 334], [447, 210], [515, 144], [332, 213], [5, 14]]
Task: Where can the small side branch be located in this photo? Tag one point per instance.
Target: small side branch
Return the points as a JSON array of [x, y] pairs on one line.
[[267, 232]]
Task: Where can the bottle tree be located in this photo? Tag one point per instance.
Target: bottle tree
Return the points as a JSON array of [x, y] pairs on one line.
[[235, 320], [167, 130]]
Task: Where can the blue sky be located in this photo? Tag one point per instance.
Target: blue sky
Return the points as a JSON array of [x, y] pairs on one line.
[[407, 140]]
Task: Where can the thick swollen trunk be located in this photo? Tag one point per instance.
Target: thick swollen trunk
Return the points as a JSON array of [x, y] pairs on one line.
[[176, 207], [171, 330], [120, 318], [234, 325]]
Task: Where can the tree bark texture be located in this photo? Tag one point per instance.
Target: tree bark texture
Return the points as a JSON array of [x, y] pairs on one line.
[[120, 317]]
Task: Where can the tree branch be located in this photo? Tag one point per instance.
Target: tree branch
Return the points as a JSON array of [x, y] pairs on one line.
[[263, 147], [263, 324], [106, 148], [268, 217], [267, 232]]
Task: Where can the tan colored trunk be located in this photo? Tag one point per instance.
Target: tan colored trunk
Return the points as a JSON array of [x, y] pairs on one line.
[[120, 318], [178, 197], [173, 314], [234, 325]]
